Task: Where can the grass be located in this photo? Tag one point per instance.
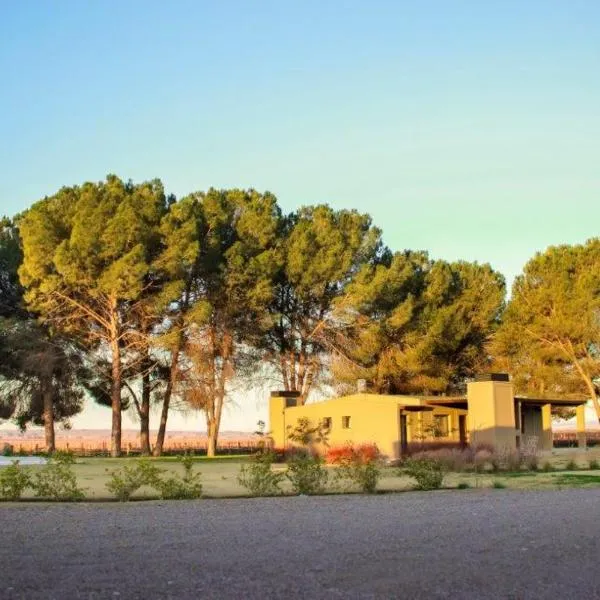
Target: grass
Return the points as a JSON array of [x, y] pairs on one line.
[[219, 477], [577, 480]]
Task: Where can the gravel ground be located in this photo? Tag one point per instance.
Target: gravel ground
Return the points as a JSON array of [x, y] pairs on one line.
[[469, 544]]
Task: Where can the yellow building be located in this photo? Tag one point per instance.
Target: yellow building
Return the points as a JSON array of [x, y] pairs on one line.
[[490, 413]]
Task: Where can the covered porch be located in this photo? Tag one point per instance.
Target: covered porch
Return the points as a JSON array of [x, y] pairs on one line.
[[533, 421]]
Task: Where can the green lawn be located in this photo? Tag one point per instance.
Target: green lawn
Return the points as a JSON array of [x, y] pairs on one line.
[[219, 478]]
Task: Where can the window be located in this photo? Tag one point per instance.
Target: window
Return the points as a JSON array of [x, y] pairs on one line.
[[326, 423], [345, 422], [440, 424]]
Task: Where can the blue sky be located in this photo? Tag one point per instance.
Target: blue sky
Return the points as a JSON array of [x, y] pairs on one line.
[[471, 129]]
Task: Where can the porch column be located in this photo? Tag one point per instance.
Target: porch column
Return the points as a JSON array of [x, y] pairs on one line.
[[581, 437], [546, 441]]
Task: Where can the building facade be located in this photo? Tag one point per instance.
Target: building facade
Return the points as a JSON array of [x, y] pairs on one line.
[[490, 413]]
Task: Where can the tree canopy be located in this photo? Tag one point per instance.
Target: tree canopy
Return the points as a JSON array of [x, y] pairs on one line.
[[123, 292]]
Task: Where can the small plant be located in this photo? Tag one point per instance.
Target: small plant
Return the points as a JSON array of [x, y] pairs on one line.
[[531, 462], [186, 487], [359, 465], [8, 449], [498, 485], [593, 465], [258, 477], [126, 481], [13, 481], [571, 466], [57, 479], [463, 485], [547, 467], [428, 472], [307, 474]]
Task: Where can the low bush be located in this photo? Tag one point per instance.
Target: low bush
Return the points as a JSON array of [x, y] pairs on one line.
[[124, 482], [571, 466], [185, 487], [547, 467], [258, 477], [359, 465], [498, 485], [593, 465], [463, 485], [8, 449], [428, 472], [364, 453], [307, 474], [13, 481], [57, 480]]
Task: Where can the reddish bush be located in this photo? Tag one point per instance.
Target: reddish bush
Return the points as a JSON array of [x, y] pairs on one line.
[[361, 453]]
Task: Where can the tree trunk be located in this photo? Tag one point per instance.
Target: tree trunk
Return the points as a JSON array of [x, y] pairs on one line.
[[213, 433], [49, 420], [162, 428], [145, 413], [115, 388]]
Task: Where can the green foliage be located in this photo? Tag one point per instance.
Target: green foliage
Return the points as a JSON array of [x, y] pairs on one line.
[[308, 435], [8, 449], [258, 476], [463, 485], [57, 480], [87, 255], [428, 472], [13, 481], [319, 251], [186, 487], [124, 482], [593, 465], [364, 475], [419, 326], [550, 331], [307, 474], [547, 467], [360, 466], [571, 465], [498, 485]]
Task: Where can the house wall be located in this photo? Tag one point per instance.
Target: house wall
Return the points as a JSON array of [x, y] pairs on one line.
[[373, 419], [491, 417]]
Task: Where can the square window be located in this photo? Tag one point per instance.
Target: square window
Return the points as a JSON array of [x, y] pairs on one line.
[[345, 422]]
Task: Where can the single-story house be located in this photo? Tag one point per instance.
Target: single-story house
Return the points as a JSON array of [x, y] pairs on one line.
[[489, 413]]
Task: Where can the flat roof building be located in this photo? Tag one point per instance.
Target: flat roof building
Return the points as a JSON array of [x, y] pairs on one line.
[[490, 413]]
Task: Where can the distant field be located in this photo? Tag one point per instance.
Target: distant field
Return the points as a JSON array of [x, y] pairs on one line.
[[91, 442]]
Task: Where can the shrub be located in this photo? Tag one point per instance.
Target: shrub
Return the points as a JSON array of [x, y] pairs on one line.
[[547, 467], [8, 449], [428, 472], [13, 481], [571, 466], [57, 479], [593, 465], [126, 481], [432, 446], [307, 474], [498, 485], [258, 477], [463, 485], [186, 487], [359, 465], [364, 453], [531, 462]]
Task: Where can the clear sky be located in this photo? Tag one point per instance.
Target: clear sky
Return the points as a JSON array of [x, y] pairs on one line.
[[468, 128]]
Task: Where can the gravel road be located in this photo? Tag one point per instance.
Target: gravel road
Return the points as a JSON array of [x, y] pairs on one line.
[[468, 544]]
